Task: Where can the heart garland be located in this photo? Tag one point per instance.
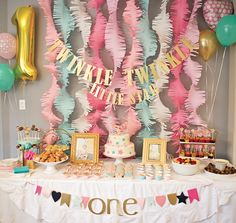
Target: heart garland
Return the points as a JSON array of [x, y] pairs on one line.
[[56, 196]]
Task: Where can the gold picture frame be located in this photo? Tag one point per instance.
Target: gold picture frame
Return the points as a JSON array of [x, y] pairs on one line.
[[84, 147], [154, 151]]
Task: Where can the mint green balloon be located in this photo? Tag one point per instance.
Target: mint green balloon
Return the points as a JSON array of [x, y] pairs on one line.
[[226, 30], [7, 77]]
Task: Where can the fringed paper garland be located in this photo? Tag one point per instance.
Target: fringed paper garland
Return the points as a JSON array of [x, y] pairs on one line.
[[96, 43], [109, 119], [81, 124], [114, 39], [64, 102], [63, 19], [82, 20], [193, 69], [160, 111], [133, 123], [150, 44], [131, 16], [94, 119], [83, 23], [163, 28], [80, 95], [115, 44], [146, 35], [195, 99], [179, 11], [48, 97]]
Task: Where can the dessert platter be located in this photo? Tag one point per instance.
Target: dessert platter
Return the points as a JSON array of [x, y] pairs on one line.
[[50, 159], [216, 171]]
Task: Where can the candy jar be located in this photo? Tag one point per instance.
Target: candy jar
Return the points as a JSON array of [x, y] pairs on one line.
[[205, 151], [187, 135], [158, 172], [208, 136], [200, 151], [187, 150], [192, 137], [182, 152], [166, 172], [213, 135], [203, 135], [20, 151], [200, 136], [197, 150], [181, 134], [211, 152], [193, 151]]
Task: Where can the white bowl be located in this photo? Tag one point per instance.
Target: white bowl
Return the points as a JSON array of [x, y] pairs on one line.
[[220, 164], [186, 169]]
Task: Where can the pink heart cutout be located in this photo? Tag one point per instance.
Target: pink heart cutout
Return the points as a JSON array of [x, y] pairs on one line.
[[46, 193], [161, 200]]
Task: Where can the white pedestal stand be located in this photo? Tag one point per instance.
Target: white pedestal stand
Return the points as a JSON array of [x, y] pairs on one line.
[[119, 159]]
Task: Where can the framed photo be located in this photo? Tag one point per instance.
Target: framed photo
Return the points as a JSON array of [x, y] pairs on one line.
[[84, 147], [154, 151]]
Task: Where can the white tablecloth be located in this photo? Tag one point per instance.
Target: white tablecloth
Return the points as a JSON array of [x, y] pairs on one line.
[[18, 200]]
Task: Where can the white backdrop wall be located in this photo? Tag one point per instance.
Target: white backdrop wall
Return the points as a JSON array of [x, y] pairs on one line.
[[11, 116]]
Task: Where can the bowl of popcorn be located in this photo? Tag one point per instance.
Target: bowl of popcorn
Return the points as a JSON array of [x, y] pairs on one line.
[[185, 166], [51, 158]]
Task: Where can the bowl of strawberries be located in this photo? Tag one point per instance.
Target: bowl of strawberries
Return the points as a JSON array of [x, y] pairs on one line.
[[185, 166]]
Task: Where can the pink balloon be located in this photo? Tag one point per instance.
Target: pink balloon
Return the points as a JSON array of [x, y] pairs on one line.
[[7, 46], [214, 10]]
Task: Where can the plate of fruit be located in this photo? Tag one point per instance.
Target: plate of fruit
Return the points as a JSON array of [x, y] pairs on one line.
[[185, 166]]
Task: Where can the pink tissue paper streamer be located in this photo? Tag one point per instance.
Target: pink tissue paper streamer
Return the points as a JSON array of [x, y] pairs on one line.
[[193, 69], [115, 44], [179, 11], [134, 59], [109, 118], [96, 43], [114, 40], [186, 102], [180, 16]]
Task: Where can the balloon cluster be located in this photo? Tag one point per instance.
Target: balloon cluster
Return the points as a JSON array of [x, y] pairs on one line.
[[217, 14], [22, 47]]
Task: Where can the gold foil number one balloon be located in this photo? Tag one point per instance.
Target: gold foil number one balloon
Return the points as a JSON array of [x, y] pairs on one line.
[[24, 19]]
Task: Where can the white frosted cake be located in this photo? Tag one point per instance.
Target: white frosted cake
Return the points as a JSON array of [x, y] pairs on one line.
[[119, 146]]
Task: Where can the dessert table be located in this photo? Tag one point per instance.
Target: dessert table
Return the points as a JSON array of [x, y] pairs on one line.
[[30, 197]]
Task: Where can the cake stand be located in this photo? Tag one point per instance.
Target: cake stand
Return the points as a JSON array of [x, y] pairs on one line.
[[119, 158], [50, 166]]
